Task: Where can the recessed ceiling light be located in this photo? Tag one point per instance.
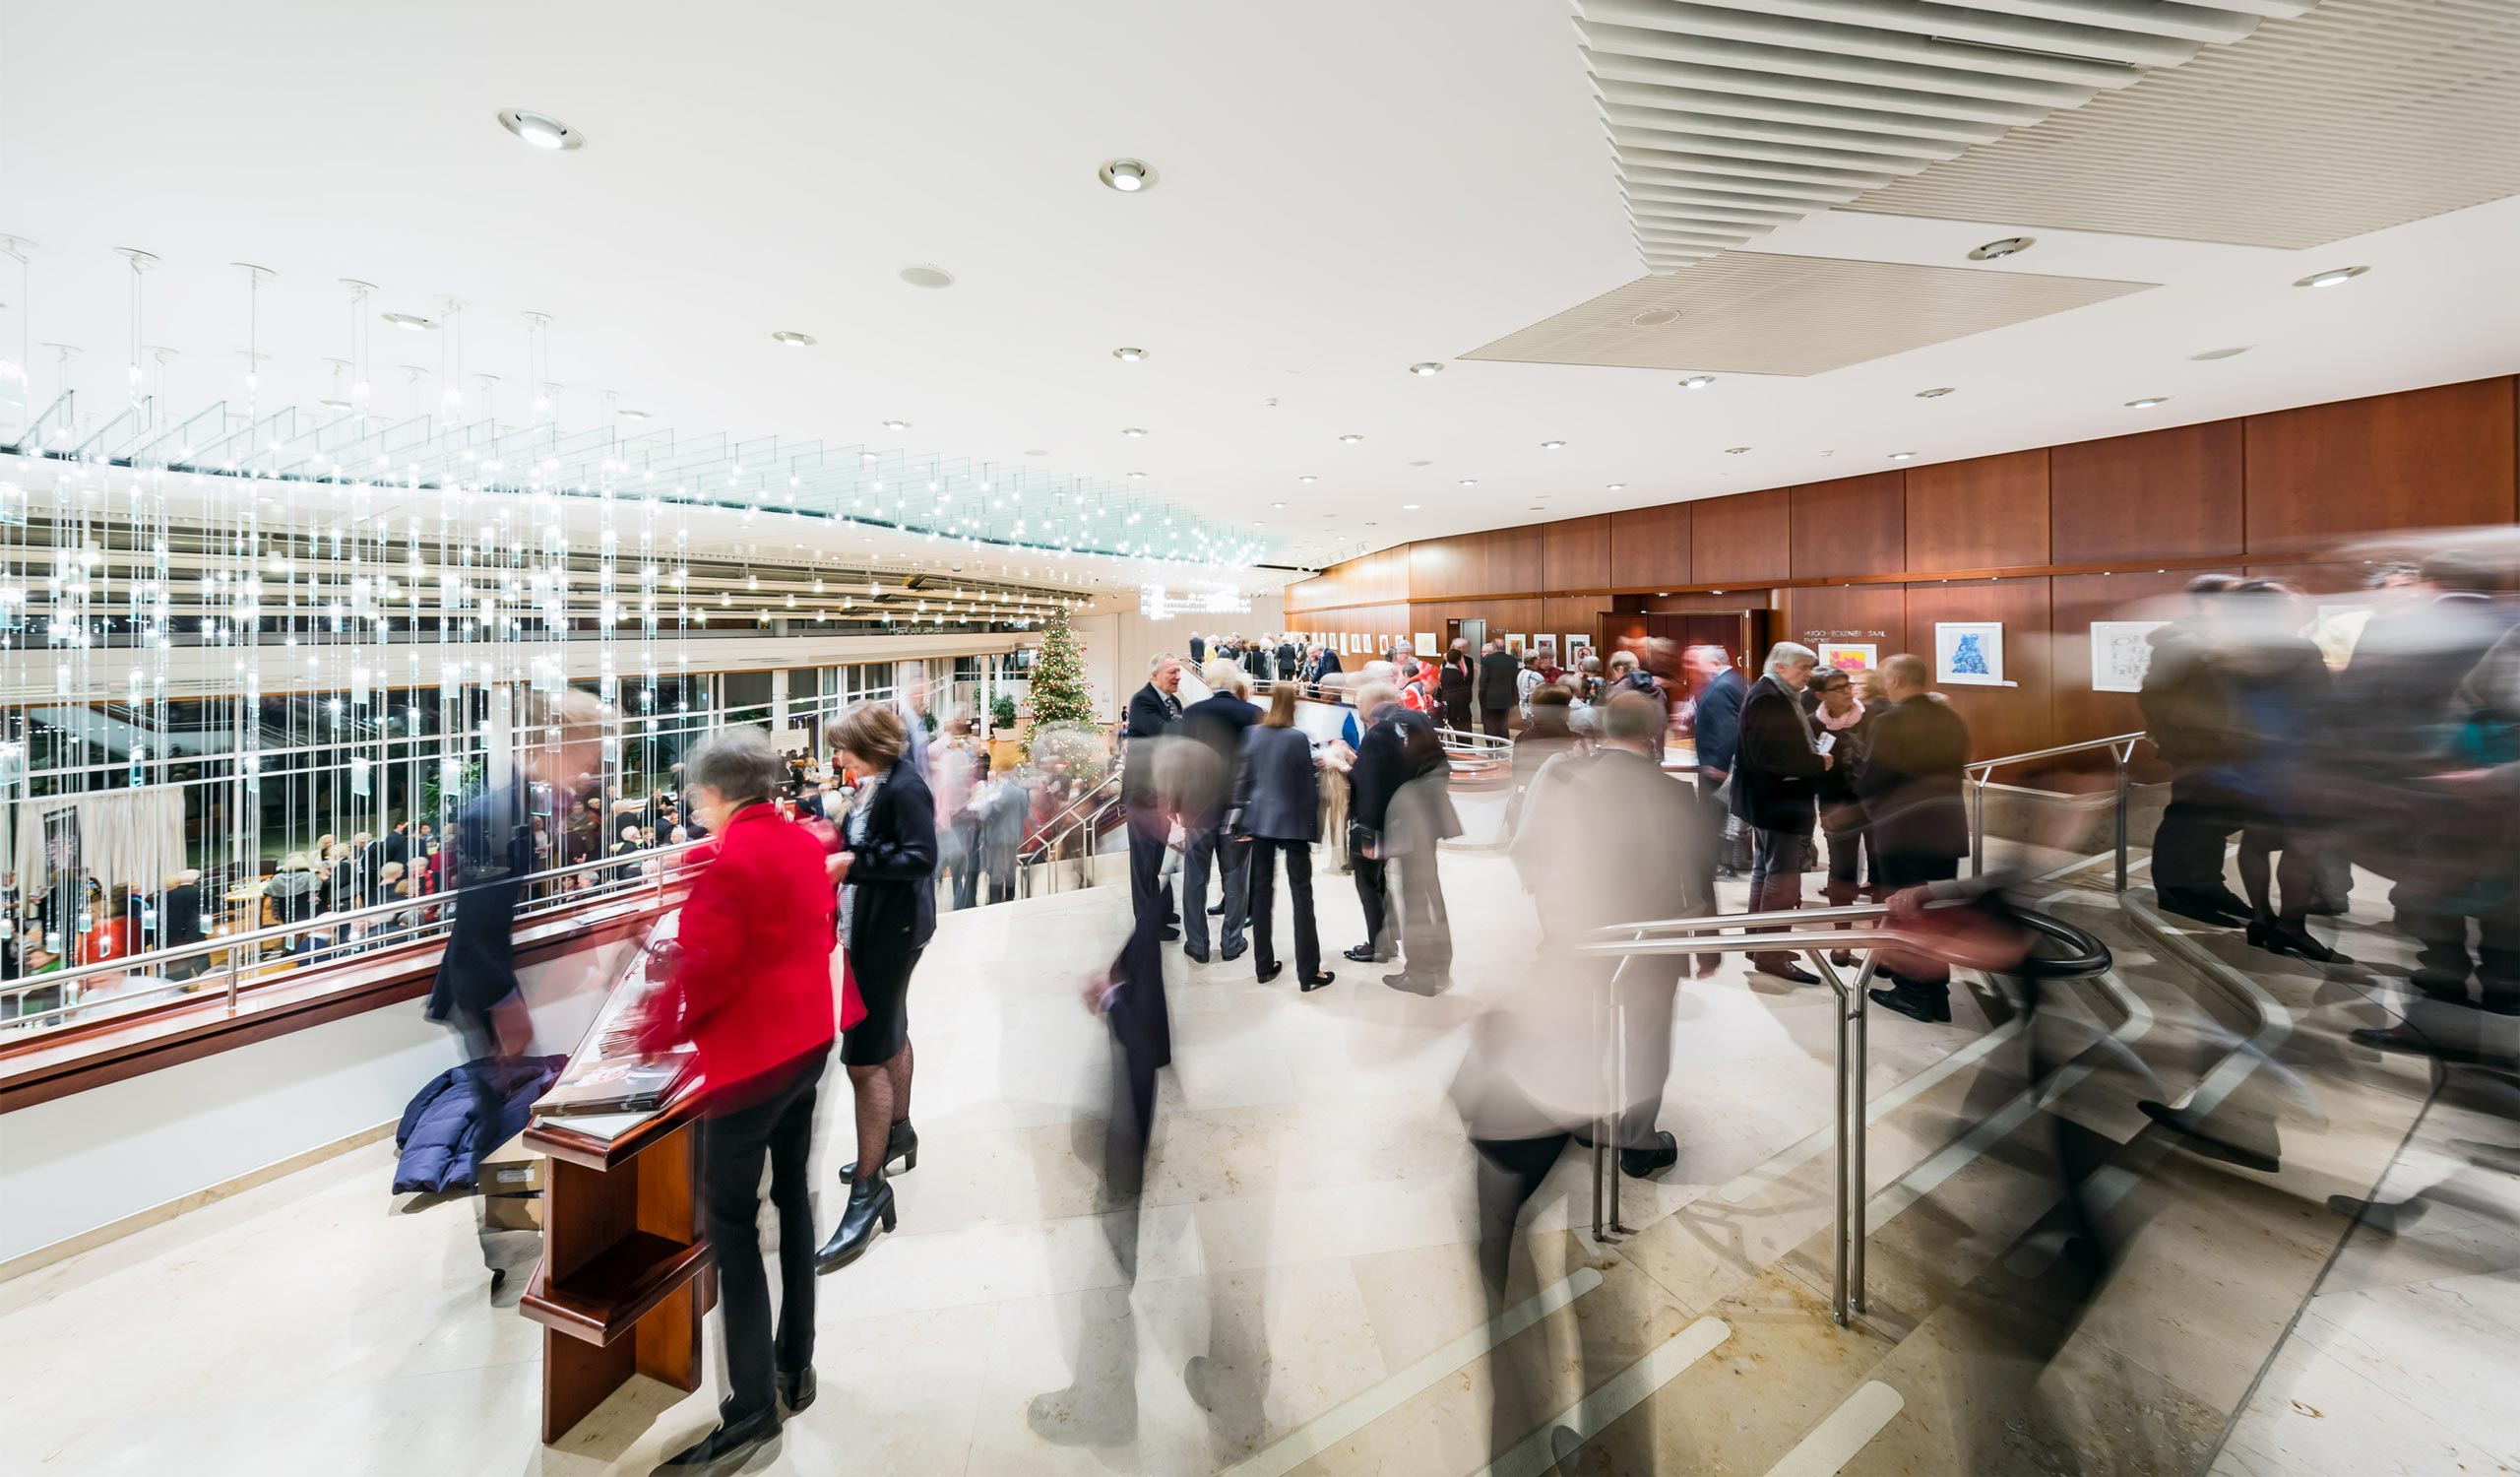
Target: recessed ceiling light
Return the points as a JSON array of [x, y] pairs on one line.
[[1655, 318], [2009, 246], [1409, 507], [1127, 175], [2147, 402], [410, 322], [1133, 431], [1552, 445], [1137, 476], [2211, 354], [1427, 370], [1470, 481], [1277, 505], [1937, 393], [1697, 381], [1128, 355], [896, 426], [1901, 456], [1618, 486], [1307, 477], [541, 130], [794, 339], [1421, 464], [1735, 451], [1352, 438], [334, 405], [633, 415], [925, 276], [2331, 278]]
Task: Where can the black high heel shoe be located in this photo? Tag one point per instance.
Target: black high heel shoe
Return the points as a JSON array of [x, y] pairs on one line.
[[900, 1142], [2294, 938], [871, 1205]]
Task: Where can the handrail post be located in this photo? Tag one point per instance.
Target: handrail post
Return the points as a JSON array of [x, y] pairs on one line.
[[1978, 827], [2122, 759], [235, 964], [1861, 1003], [1838, 1242]]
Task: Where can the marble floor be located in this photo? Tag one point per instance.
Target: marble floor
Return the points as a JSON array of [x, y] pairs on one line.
[[1306, 1298]]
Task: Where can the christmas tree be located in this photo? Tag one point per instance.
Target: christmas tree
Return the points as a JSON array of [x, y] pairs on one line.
[[1058, 693]]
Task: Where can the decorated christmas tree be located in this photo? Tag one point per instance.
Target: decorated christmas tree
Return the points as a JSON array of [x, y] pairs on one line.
[[1059, 697]]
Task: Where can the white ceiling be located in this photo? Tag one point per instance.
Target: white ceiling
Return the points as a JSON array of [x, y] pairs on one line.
[[1345, 190]]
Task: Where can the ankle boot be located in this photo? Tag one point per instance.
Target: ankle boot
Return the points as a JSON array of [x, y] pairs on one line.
[[902, 1143], [870, 1205]]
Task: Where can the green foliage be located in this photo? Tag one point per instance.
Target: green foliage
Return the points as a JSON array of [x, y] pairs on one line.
[[1001, 713], [1058, 691]]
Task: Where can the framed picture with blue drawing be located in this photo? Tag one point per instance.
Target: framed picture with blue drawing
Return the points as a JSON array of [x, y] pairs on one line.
[[1969, 653]]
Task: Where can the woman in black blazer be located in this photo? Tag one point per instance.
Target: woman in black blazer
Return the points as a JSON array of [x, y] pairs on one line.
[[887, 875], [1278, 798]]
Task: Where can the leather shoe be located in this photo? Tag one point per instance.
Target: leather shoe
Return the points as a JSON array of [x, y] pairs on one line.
[[1417, 984], [1233, 952], [1904, 1001], [796, 1390], [723, 1449], [2201, 907], [1648, 1160], [900, 1143], [1363, 953], [1787, 969], [871, 1205], [1216, 910], [1269, 971], [1317, 981], [1195, 956], [1171, 934]]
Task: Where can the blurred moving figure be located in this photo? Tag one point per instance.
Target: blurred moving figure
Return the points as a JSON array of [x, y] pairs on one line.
[[2277, 690], [1218, 723], [1543, 737], [2191, 726], [1721, 690], [1155, 710], [1401, 811], [1777, 761], [1844, 825], [1277, 802], [887, 872], [1004, 809], [1909, 783], [752, 991]]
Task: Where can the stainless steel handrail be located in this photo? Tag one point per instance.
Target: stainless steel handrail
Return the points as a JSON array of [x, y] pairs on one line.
[[2122, 749]]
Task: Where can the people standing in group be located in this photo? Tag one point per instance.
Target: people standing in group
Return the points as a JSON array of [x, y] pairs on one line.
[[1278, 804], [1258, 660], [1776, 762], [886, 870], [1533, 674], [2279, 693], [1499, 693], [1914, 754], [753, 994], [1720, 689], [1843, 715], [1290, 657], [1216, 724]]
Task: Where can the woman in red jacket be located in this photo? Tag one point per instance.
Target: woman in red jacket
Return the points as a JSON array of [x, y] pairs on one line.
[[753, 994]]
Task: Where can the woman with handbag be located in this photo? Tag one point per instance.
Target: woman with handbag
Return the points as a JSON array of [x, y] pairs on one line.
[[750, 989], [887, 876]]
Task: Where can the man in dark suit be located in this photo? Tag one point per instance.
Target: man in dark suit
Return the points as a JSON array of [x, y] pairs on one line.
[[1290, 657], [1374, 779], [1154, 711], [1413, 823], [1198, 651], [1216, 724], [1325, 664], [1720, 693], [1498, 694], [1909, 783], [1772, 767]]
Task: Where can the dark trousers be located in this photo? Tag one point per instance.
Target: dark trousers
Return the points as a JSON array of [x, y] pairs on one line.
[[1265, 853], [1525, 1377], [1721, 853], [1846, 842], [777, 1123], [1777, 865], [1493, 720], [1895, 871], [2187, 847], [999, 863], [1426, 928], [1456, 715], [1147, 887], [2439, 927], [1373, 891], [1210, 849], [1150, 909], [966, 863]]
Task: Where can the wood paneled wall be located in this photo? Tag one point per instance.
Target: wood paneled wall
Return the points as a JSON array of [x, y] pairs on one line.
[[2073, 533]]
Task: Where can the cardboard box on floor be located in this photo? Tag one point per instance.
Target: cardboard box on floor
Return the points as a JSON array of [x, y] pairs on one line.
[[511, 1179]]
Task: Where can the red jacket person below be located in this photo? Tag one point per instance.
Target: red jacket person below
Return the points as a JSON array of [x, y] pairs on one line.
[[753, 992]]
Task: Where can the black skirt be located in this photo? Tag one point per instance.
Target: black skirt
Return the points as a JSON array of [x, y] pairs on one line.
[[884, 989]]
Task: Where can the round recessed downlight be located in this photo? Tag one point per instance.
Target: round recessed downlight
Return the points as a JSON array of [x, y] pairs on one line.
[[1127, 175], [1421, 464], [2332, 277], [1133, 431], [1427, 370], [1409, 507], [410, 322], [1618, 486], [334, 405], [896, 426], [1470, 481], [2009, 246], [925, 276], [1552, 446], [1937, 393], [1352, 438], [1307, 477], [633, 415], [2147, 402], [1277, 505], [1735, 451], [1901, 456], [1697, 381], [1655, 318], [1128, 355], [541, 130], [794, 339], [2211, 354]]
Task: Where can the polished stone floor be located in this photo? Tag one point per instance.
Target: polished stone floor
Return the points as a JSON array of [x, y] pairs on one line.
[[1306, 1298]]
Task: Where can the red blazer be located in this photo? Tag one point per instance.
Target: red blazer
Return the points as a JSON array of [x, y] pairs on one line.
[[754, 992]]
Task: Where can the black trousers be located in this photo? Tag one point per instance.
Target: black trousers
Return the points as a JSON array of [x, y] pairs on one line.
[[2187, 846], [1265, 853], [1895, 870], [1492, 720], [1456, 715], [1373, 892], [777, 1123], [1426, 928], [1148, 889]]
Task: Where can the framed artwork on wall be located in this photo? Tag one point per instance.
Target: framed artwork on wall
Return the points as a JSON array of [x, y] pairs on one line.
[[1516, 643], [1577, 646], [1849, 656], [1425, 644], [2119, 653], [1969, 653]]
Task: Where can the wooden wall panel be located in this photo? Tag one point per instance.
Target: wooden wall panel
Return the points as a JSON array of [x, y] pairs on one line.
[[2170, 495], [1746, 538], [1517, 560], [1441, 568], [2001, 720], [1984, 513], [1567, 615], [2076, 600], [1855, 525], [1650, 545], [2419, 459], [1876, 614], [1576, 553]]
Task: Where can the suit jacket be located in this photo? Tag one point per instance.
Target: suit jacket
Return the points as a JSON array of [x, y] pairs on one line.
[[1276, 791], [1290, 657], [1719, 719], [892, 882], [1198, 649], [1381, 768], [1910, 779], [1322, 668], [2394, 698], [1498, 681], [1217, 722], [1151, 715], [1774, 764], [1455, 679]]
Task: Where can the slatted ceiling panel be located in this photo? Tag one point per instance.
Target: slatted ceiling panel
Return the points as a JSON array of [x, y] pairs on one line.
[[1749, 312], [1788, 107], [2360, 115]]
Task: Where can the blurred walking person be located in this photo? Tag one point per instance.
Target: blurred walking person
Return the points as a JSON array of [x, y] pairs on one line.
[[1779, 758], [752, 992], [1278, 803], [887, 874], [1413, 823], [2277, 689], [2191, 729], [1910, 787]]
